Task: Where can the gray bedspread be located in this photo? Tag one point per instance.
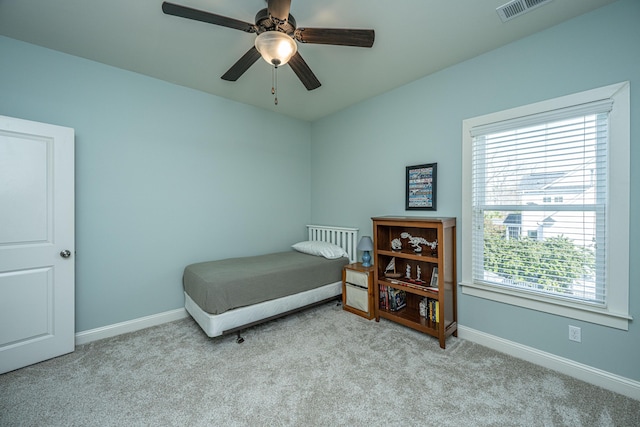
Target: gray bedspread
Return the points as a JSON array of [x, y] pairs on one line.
[[218, 286]]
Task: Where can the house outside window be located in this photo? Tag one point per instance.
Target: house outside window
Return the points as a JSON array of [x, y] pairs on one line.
[[513, 224], [555, 256]]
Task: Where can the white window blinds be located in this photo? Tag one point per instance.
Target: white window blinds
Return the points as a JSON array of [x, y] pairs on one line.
[[539, 203]]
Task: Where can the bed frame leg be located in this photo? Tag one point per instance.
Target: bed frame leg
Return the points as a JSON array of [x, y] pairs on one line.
[[239, 340]]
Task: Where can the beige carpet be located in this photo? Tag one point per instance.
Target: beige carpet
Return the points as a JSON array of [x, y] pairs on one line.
[[321, 367]]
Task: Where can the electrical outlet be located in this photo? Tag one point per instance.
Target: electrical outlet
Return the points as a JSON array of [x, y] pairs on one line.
[[575, 334]]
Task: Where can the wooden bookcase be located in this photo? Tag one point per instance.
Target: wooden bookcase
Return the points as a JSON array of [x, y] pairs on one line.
[[410, 243]]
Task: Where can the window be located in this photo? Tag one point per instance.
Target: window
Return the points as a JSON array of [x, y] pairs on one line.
[[513, 232], [553, 256]]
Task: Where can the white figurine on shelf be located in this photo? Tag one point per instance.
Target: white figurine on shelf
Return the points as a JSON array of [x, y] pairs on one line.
[[417, 241], [408, 271], [419, 273]]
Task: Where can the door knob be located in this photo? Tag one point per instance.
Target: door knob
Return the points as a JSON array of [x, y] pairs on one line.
[[65, 254]]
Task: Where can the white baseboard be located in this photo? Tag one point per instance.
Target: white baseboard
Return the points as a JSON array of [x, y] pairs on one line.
[[130, 326], [591, 375]]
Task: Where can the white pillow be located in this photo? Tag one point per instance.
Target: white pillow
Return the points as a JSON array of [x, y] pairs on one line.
[[325, 249]]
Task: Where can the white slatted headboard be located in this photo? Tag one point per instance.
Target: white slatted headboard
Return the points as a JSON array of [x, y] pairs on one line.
[[345, 237]]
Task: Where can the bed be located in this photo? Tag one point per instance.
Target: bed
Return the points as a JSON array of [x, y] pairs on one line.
[[227, 296]]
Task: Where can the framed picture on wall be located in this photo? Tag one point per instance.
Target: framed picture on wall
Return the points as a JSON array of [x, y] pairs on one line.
[[421, 187]]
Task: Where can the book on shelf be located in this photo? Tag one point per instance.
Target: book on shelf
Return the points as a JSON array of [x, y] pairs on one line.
[[392, 299], [430, 309], [433, 310], [397, 299], [384, 297]]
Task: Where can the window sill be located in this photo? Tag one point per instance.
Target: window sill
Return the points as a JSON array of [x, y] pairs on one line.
[[547, 305]]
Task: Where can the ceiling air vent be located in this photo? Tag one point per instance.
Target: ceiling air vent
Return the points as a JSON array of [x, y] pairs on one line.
[[515, 8]]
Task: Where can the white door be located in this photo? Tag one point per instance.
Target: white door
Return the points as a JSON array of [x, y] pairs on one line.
[[37, 259]]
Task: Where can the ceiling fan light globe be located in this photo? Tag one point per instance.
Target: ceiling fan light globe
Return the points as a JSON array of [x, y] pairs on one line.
[[275, 47]]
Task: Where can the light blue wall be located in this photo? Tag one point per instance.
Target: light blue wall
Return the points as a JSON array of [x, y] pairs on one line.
[[369, 145], [165, 176]]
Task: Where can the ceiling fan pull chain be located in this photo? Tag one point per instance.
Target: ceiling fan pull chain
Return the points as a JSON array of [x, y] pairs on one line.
[[273, 80], [274, 84]]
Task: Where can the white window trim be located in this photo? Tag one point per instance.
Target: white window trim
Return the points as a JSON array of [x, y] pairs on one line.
[[616, 312]]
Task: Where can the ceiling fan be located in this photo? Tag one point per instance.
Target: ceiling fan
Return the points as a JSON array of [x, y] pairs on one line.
[[277, 36]]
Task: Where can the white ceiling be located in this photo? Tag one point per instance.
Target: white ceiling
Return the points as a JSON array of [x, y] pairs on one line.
[[414, 38]]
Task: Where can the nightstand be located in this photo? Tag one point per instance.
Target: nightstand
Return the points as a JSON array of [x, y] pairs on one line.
[[357, 290]]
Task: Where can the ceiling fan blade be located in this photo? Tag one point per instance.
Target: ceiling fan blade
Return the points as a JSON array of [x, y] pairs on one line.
[[279, 9], [242, 65], [211, 18], [335, 36], [304, 73]]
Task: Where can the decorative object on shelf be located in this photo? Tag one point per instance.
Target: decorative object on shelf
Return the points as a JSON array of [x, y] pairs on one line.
[[407, 280], [416, 242], [390, 270], [366, 246], [396, 245], [423, 308], [434, 278], [421, 187]]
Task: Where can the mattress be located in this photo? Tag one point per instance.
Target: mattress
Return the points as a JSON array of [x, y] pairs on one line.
[[219, 286], [218, 324]]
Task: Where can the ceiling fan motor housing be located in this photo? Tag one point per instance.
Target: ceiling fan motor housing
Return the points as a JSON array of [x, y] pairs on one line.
[[264, 22]]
